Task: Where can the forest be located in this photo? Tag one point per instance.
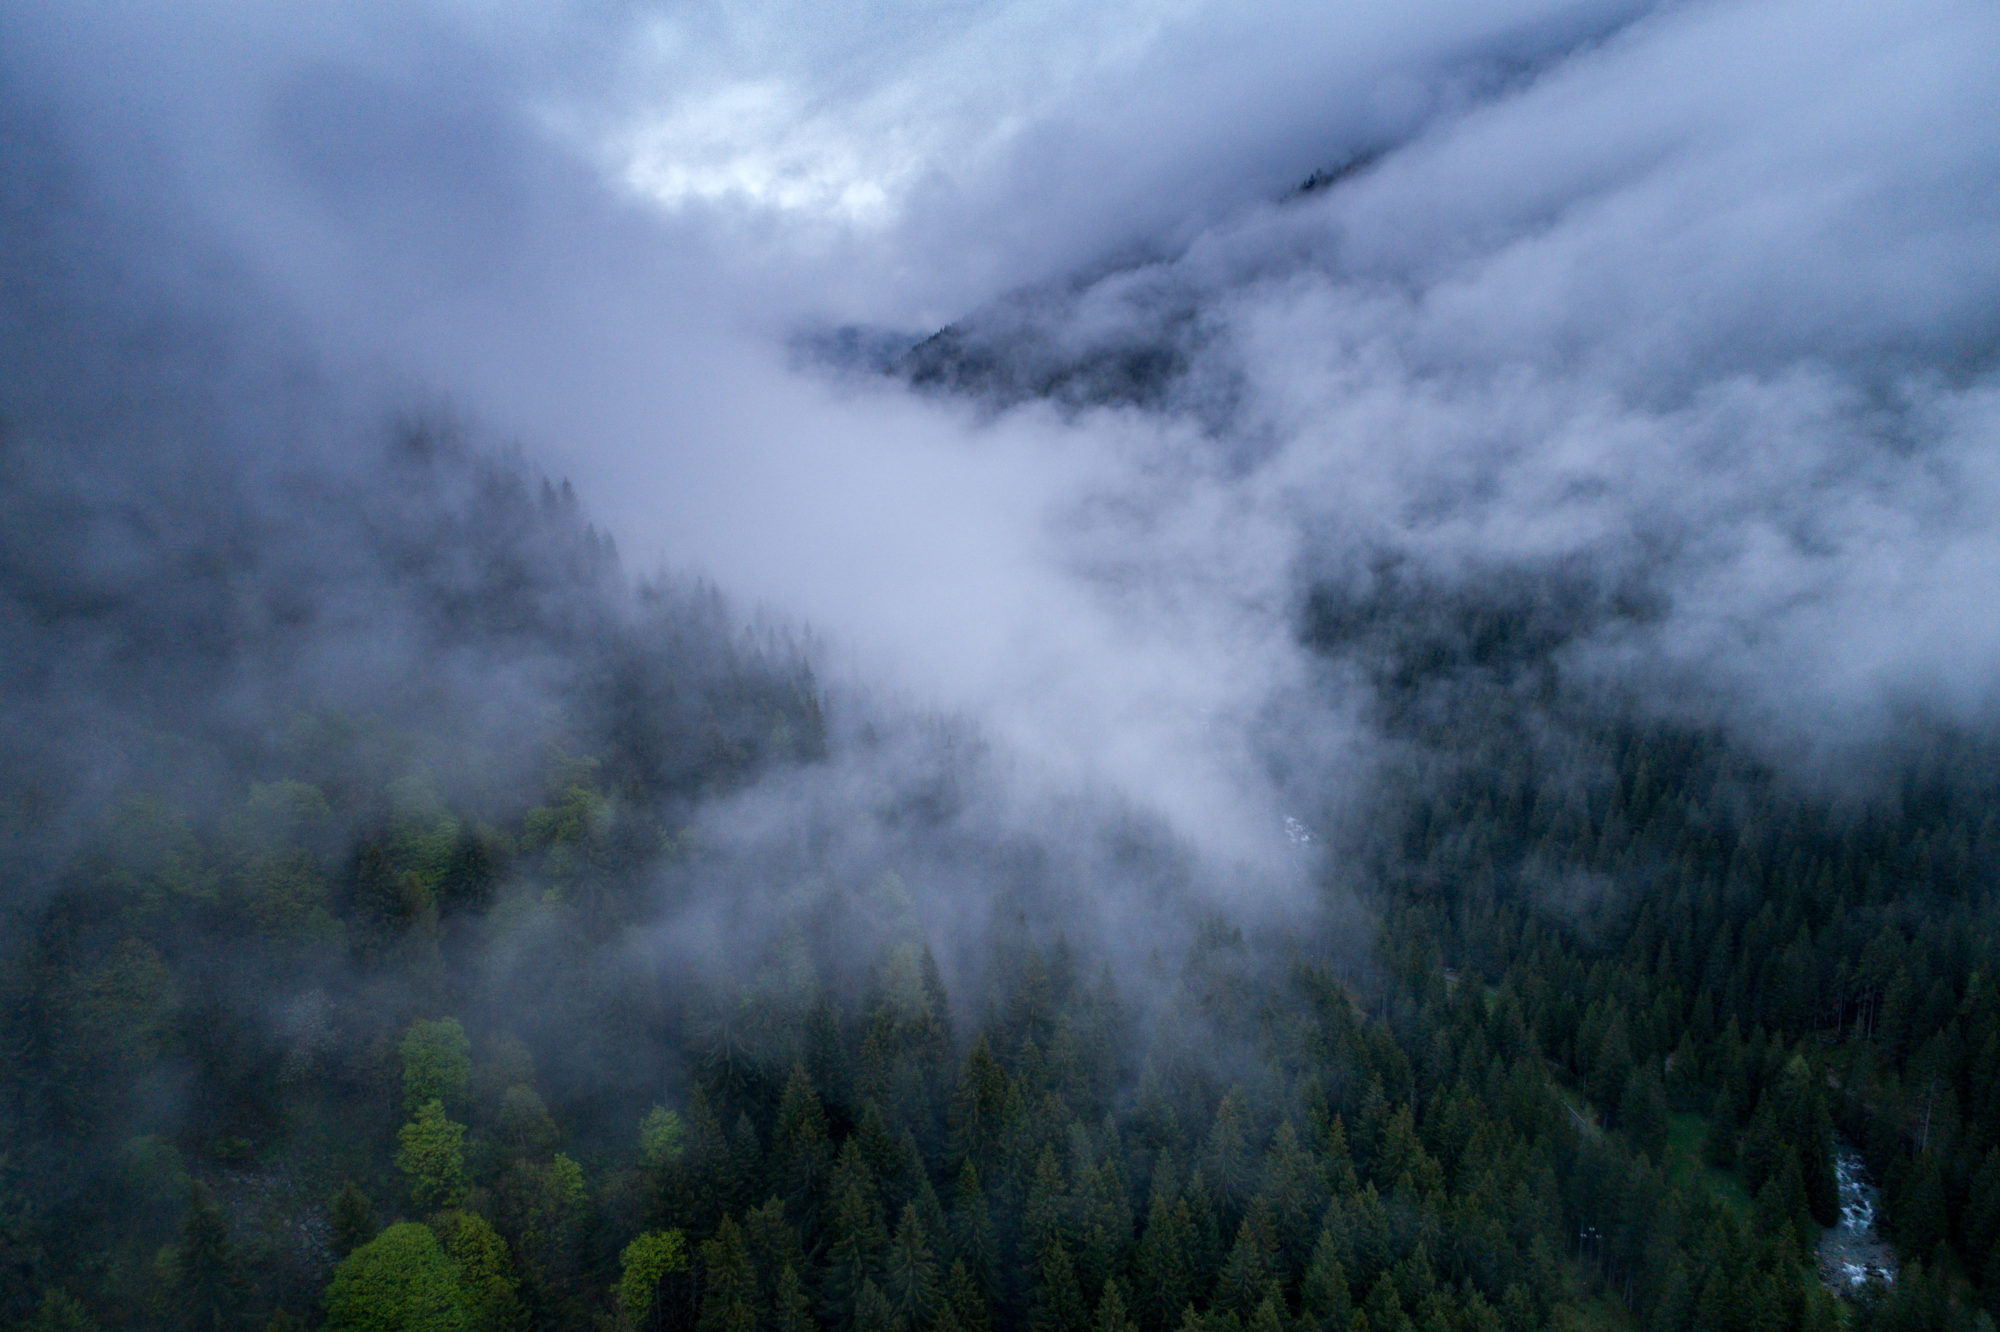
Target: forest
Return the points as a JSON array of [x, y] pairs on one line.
[[1003, 667], [340, 1021]]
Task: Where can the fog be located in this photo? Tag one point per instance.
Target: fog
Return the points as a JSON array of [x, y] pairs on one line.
[[1694, 301]]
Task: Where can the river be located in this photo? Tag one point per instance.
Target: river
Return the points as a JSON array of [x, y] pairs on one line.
[[1854, 1253]]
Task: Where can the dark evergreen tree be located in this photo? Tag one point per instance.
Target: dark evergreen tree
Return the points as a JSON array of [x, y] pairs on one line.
[[909, 1273], [208, 1282]]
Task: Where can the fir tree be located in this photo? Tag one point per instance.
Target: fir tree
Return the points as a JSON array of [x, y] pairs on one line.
[[968, 1302], [909, 1275], [1111, 1315], [855, 1236], [1165, 1263], [972, 1238], [1324, 1300], [353, 1219], [208, 1283], [791, 1311], [1056, 1304], [729, 1282]]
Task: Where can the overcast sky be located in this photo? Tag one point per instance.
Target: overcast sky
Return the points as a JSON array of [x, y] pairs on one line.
[[1705, 294]]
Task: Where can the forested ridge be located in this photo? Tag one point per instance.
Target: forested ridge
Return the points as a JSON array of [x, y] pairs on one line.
[[416, 915], [344, 1037]]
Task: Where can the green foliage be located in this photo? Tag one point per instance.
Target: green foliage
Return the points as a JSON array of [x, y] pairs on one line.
[[58, 1312], [492, 1295], [1521, 1113], [910, 1273], [207, 1280], [729, 1282], [353, 1219], [791, 1310], [400, 1281], [437, 1064], [432, 1158], [646, 1262], [662, 1138]]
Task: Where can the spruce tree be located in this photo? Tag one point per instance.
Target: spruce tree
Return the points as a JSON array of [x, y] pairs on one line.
[[1249, 1266], [729, 1282], [1056, 1303], [1164, 1268], [1919, 1216], [353, 1219], [1045, 1214], [970, 1306], [791, 1311], [909, 1273], [1324, 1299], [855, 1236], [208, 1283], [1111, 1315], [972, 1238], [872, 1312]]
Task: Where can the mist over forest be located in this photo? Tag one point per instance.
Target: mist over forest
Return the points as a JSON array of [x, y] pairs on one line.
[[891, 668]]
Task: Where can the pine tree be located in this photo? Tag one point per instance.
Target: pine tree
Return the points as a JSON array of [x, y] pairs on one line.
[[208, 1282], [703, 1174], [1225, 1160], [1642, 1112], [1982, 1206], [1057, 1303], [1044, 1216], [1816, 1160], [855, 1236], [1341, 1179], [972, 1238], [775, 1244], [909, 1275], [1268, 1316], [1294, 1192], [353, 1219], [1324, 1300], [1248, 1268], [1384, 1307], [729, 1282], [982, 1108], [791, 1310], [969, 1305], [1164, 1267], [1111, 1315], [1919, 1216], [872, 1312], [1204, 1234]]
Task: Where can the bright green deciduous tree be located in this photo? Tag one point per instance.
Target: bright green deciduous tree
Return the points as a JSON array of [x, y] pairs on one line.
[[485, 1272], [662, 1138], [400, 1281], [646, 1262], [432, 1158], [437, 1063]]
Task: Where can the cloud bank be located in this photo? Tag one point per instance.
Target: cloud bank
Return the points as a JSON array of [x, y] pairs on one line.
[[1693, 304]]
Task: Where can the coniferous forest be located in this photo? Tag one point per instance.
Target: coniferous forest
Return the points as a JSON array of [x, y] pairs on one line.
[[422, 912], [365, 1027]]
